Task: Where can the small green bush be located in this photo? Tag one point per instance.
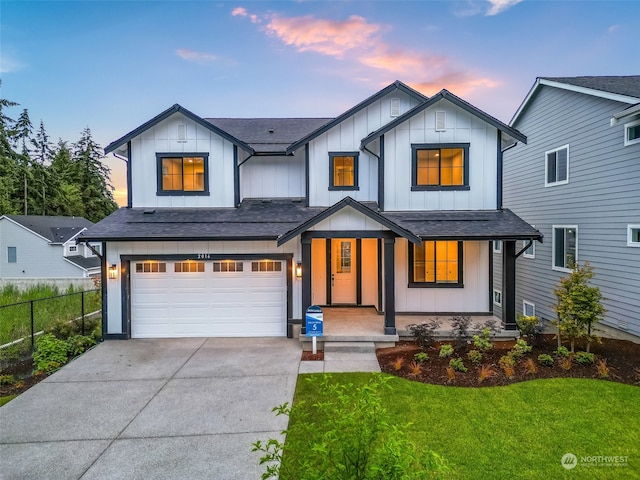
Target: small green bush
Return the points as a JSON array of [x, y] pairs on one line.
[[520, 348], [529, 325], [421, 357], [585, 358], [445, 351], [562, 352], [475, 356], [507, 361], [50, 354], [7, 379], [546, 360], [482, 342], [78, 344], [458, 365], [65, 329]]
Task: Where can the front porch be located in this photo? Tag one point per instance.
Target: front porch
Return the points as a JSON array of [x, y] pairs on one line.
[[365, 324]]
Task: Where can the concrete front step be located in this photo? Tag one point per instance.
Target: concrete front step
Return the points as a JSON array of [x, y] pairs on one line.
[[352, 347]]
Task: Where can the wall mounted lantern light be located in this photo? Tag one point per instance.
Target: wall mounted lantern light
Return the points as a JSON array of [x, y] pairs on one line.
[[113, 272], [299, 270]]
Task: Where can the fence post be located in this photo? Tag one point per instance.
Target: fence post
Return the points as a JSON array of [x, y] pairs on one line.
[[33, 342], [82, 303]]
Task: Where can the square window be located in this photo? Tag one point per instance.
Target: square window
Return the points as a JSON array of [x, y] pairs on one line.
[[528, 309], [632, 133], [633, 235], [435, 263], [564, 247], [497, 298], [497, 246], [440, 166], [73, 248], [185, 174], [343, 170], [557, 166], [12, 254]]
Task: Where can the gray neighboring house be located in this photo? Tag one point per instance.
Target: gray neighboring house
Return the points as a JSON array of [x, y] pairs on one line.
[[576, 180], [40, 246]]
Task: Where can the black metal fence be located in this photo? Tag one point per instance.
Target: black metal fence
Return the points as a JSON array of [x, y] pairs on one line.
[[22, 322]]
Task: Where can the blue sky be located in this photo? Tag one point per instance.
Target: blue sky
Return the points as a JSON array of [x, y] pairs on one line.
[[114, 65]]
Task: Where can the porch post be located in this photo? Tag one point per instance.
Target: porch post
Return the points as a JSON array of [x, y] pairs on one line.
[[509, 285], [306, 279], [389, 287]]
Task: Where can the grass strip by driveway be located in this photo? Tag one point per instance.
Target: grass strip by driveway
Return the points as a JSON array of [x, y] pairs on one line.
[[518, 431]]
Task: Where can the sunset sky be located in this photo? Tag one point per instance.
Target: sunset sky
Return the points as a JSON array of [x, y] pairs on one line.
[[114, 65]]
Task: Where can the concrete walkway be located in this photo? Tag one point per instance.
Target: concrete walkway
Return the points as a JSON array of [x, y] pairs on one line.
[[344, 357], [152, 409]]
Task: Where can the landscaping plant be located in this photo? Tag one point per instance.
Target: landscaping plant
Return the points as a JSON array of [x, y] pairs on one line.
[[458, 365], [482, 341], [424, 333], [585, 358], [421, 357], [50, 354], [474, 356], [485, 372], [602, 368], [546, 360], [460, 329], [445, 351]]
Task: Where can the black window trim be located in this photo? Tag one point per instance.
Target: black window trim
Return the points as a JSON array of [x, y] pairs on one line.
[[459, 284], [433, 146], [355, 156], [183, 155]]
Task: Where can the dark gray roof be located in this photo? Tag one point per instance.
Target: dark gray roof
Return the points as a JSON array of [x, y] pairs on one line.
[[268, 134], [466, 224], [56, 229], [622, 85], [84, 262]]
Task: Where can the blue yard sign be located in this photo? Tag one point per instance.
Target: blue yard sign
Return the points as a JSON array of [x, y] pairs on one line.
[[313, 321]]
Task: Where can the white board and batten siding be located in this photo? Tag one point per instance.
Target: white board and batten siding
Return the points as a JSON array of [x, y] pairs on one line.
[[460, 127], [163, 138], [210, 304], [273, 177], [601, 199], [346, 137]]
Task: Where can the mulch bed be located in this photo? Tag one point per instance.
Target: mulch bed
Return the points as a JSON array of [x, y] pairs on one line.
[[622, 358], [22, 371], [319, 355]]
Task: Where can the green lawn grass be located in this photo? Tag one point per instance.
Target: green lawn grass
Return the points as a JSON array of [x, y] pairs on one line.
[[519, 431], [15, 321]]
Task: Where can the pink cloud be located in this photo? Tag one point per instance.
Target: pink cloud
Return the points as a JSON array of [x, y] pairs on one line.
[[239, 11], [197, 57], [499, 6]]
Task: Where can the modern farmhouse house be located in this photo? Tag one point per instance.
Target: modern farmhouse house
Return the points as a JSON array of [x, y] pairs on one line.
[[576, 180], [235, 226]]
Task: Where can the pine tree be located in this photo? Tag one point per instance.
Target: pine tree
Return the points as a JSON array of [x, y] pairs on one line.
[[41, 157], [21, 135], [9, 167]]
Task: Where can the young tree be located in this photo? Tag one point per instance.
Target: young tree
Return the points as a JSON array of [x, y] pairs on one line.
[[579, 305]]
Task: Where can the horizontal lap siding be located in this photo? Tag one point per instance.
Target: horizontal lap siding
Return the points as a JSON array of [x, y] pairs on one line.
[[601, 199]]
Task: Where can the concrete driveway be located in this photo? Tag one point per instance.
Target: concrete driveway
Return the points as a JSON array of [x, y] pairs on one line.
[[152, 409]]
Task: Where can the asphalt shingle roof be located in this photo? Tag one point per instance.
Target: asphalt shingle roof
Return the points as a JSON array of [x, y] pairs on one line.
[[56, 229], [85, 262], [622, 85]]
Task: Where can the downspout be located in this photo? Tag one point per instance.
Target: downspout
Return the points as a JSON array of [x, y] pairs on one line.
[[380, 198]]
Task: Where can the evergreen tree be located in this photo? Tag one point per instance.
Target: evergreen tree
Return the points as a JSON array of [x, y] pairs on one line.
[[41, 157], [9, 168], [21, 135]]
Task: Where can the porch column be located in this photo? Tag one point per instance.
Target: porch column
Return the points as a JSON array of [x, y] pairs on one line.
[[389, 287], [306, 279], [509, 285]]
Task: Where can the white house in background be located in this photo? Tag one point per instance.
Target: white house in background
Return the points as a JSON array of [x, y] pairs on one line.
[[39, 246], [235, 226]]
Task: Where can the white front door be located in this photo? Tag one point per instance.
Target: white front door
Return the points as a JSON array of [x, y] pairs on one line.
[[343, 271]]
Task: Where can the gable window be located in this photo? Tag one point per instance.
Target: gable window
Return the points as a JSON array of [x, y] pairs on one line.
[[440, 166], [633, 235], [528, 309], [435, 263], [185, 174], [343, 170], [73, 248], [565, 247], [632, 133], [557, 166], [12, 254]]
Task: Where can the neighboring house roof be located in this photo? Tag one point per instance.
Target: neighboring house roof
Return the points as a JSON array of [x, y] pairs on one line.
[[268, 135], [166, 114], [624, 89], [397, 85], [444, 95], [84, 262], [54, 229]]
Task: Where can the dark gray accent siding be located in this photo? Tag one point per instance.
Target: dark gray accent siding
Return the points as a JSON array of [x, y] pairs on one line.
[[601, 198]]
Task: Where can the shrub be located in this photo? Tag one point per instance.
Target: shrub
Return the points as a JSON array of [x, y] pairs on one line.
[[397, 363], [566, 363], [585, 358], [415, 368], [602, 368], [421, 357], [445, 351], [546, 360], [562, 352], [486, 371], [474, 356], [458, 365], [50, 354], [460, 328], [529, 326], [490, 323], [424, 333], [507, 360], [530, 366], [7, 379], [78, 344], [520, 348], [358, 443], [482, 342], [65, 329]]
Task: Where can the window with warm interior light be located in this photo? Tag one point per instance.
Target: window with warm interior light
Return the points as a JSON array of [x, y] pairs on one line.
[[266, 266], [228, 266], [440, 166], [188, 267], [564, 247], [435, 263], [183, 174], [151, 267], [343, 170]]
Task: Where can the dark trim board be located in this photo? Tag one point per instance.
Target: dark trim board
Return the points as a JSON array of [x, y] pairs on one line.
[[491, 276], [103, 281], [447, 314], [358, 271], [210, 256], [328, 247], [328, 234], [129, 177]]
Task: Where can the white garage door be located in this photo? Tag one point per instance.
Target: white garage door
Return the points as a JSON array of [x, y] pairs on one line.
[[243, 298]]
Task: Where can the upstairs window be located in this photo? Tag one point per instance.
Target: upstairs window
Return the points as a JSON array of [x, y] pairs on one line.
[[343, 170], [12, 254], [185, 174], [564, 247], [440, 166], [435, 263], [557, 166], [632, 133]]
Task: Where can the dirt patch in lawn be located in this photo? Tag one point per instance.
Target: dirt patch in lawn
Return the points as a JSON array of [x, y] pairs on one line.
[[621, 357]]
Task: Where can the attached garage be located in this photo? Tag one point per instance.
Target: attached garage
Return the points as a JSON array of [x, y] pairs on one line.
[[208, 298]]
